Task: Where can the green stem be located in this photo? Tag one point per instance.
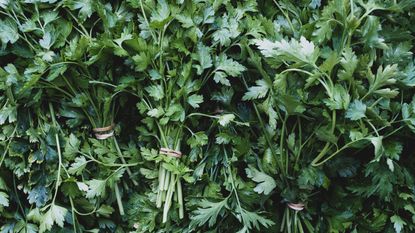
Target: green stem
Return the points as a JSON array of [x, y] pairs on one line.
[[348, 145], [169, 196], [180, 198], [8, 145], [285, 169], [119, 201], [234, 190], [58, 176], [167, 178], [123, 161], [73, 215], [326, 147]]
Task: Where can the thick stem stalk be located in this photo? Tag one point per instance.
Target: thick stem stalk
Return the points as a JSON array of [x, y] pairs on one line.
[[119, 202], [180, 198]]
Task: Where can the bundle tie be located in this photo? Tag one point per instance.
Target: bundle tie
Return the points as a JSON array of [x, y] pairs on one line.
[[296, 206], [170, 152], [104, 132]]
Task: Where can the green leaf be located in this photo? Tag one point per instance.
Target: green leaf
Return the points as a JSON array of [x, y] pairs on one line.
[[204, 58], [220, 77], [8, 32], [265, 182], [408, 77], [229, 66], [156, 112], [96, 188], [55, 71], [227, 30], [340, 98], [370, 33], [377, 143], [398, 223], [393, 149], [324, 25], [207, 212], [155, 91], [47, 41], [72, 146], [226, 119], [4, 199], [252, 219], [310, 177], [4, 3], [160, 17], [85, 7], [226, 67], [141, 60], [386, 76], [78, 166], [55, 214], [257, 92], [198, 139], [8, 113], [195, 100], [125, 35], [38, 195], [315, 4], [301, 51], [356, 110], [185, 20], [349, 63], [105, 210]]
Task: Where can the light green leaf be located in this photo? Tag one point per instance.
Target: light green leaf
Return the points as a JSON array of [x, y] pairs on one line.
[[85, 7], [207, 212], [160, 16], [265, 182], [220, 77], [156, 112], [349, 63], [198, 139], [8, 113], [398, 223], [379, 149], [229, 66], [226, 119], [46, 41], [78, 166], [55, 214], [370, 33], [4, 3], [340, 98], [356, 110], [125, 35], [96, 188], [195, 100], [8, 32], [302, 51], [155, 91], [256, 92], [254, 220], [185, 20], [105, 210], [4, 199], [204, 58]]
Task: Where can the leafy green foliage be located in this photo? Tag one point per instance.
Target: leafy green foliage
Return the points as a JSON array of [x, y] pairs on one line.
[[207, 116]]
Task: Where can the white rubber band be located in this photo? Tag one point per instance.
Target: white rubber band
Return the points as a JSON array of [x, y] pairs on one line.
[[296, 206]]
